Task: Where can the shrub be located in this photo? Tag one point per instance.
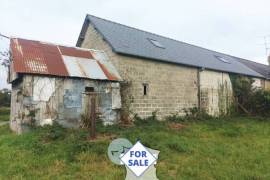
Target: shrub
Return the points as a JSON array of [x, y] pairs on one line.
[[54, 132], [149, 120], [248, 99], [5, 98], [175, 118], [196, 114], [260, 103], [193, 113]]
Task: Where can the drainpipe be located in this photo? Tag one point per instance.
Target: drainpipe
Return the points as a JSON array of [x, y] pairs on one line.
[[199, 86]]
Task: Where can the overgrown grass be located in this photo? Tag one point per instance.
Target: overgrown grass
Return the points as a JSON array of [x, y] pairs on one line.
[[234, 148], [4, 114]]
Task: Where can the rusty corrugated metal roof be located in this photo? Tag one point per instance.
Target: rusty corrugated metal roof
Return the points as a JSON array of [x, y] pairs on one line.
[[37, 57]]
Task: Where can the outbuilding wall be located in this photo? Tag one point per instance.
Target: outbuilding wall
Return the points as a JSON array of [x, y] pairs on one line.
[[216, 92], [267, 85], [42, 100]]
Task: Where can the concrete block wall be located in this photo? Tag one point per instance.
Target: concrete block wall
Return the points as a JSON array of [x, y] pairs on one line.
[[267, 85], [216, 92], [170, 88]]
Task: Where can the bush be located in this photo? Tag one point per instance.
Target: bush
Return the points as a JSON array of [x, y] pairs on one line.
[[5, 98], [248, 99], [196, 114], [143, 121], [260, 103], [175, 118], [53, 133]]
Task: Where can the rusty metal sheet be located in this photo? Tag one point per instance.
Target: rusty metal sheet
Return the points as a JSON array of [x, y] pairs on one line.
[[107, 67], [36, 57], [75, 52], [81, 67]]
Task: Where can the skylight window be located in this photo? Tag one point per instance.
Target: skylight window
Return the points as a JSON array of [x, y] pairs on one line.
[[156, 43], [223, 59]]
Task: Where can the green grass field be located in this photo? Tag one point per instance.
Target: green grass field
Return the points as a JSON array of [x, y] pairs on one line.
[[234, 148], [4, 114]]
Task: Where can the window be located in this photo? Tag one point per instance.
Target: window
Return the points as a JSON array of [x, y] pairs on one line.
[[89, 89], [145, 89], [223, 59], [156, 43]]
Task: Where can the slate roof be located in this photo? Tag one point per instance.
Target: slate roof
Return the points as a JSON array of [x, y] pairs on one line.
[[260, 68], [130, 41]]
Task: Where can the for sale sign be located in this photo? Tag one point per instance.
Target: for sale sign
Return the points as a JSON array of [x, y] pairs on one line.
[[138, 159]]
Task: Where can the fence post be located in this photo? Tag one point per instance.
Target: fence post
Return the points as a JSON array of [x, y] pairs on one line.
[[93, 118]]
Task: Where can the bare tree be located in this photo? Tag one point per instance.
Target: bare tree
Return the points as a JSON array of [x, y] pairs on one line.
[[5, 57], [4, 54]]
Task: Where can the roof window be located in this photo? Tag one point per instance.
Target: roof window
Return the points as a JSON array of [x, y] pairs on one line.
[[223, 59], [156, 43]]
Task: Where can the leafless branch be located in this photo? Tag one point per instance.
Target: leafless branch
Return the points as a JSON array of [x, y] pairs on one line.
[[4, 36], [5, 58]]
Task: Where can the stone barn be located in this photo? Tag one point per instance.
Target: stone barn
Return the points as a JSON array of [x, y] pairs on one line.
[[163, 75], [51, 83]]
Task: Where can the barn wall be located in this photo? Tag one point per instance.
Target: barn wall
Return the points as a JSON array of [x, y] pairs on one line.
[[216, 92], [48, 99], [171, 88], [16, 106], [267, 85]]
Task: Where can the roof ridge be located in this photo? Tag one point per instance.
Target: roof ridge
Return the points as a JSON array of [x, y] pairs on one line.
[[251, 61], [57, 44], [163, 36], [136, 28]]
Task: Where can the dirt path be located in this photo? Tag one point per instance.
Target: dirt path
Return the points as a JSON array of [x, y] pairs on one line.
[[3, 123]]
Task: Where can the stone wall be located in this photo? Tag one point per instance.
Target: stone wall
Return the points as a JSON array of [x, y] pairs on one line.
[[170, 88], [267, 85], [40, 100], [216, 92]]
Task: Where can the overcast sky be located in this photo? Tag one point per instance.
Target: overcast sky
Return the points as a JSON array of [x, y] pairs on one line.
[[235, 27]]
